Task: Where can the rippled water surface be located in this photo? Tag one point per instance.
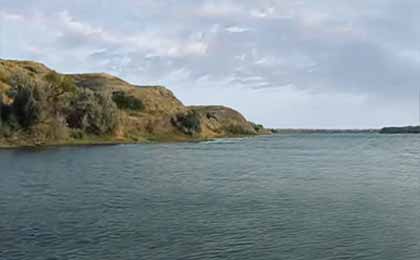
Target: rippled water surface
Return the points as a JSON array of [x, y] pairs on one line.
[[304, 196]]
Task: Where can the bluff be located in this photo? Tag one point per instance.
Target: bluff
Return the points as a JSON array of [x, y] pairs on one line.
[[39, 106]]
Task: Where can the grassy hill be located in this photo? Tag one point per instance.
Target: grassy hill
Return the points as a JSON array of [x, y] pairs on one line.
[[39, 106]]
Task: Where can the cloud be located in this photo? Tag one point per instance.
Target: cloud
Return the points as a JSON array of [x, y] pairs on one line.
[[220, 8], [266, 13], [78, 27], [298, 51], [78, 33], [11, 17], [237, 29]]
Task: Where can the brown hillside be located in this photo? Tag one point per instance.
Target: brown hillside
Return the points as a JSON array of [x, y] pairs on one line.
[[136, 113]]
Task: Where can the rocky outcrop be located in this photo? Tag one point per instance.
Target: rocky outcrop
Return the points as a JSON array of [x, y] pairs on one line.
[[224, 121]]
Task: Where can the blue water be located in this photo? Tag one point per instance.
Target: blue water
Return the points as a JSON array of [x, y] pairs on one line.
[[302, 196]]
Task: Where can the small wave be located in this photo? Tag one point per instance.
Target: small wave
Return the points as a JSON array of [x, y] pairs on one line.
[[225, 140]]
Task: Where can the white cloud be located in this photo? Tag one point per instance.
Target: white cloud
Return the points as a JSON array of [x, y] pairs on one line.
[[6, 16], [78, 27], [237, 29], [263, 13], [69, 30], [220, 8], [315, 47], [189, 48], [268, 61]]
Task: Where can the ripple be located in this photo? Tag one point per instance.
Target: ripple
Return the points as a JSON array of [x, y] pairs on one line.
[[280, 197]]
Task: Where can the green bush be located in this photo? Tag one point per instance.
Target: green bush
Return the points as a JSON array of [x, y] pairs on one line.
[[93, 112], [189, 123], [235, 129], [77, 134], [7, 118], [257, 127], [55, 108], [25, 107], [125, 101], [58, 85]]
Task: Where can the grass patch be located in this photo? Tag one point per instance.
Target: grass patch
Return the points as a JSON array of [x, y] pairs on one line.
[[3, 77]]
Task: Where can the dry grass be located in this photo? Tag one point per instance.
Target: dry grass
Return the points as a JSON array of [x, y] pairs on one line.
[[3, 77], [151, 123]]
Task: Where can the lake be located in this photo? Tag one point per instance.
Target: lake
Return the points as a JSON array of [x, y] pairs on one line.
[[286, 196]]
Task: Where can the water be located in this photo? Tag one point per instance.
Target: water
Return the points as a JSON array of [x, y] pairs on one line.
[[303, 196]]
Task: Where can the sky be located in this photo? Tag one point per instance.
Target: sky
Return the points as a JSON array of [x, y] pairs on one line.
[[283, 63]]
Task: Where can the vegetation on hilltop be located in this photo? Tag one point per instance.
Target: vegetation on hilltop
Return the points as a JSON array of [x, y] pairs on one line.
[[52, 109], [40, 106]]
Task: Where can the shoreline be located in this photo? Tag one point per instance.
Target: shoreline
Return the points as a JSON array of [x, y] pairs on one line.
[[114, 142]]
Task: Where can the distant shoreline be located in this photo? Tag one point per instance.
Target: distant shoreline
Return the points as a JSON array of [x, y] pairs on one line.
[[327, 131], [401, 130], [385, 130]]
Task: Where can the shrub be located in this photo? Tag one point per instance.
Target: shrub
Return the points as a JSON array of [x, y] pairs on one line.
[[235, 129], [7, 118], [92, 112], [257, 127], [125, 101], [52, 128], [189, 123], [58, 86], [26, 107], [77, 134], [30, 69]]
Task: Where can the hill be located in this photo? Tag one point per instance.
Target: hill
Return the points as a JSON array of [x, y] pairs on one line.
[[40, 106]]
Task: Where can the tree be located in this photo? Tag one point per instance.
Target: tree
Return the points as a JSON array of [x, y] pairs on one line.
[[125, 101], [189, 123], [57, 92], [93, 112], [58, 85], [25, 106]]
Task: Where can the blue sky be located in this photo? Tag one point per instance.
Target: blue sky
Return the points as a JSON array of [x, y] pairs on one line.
[[284, 63]]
